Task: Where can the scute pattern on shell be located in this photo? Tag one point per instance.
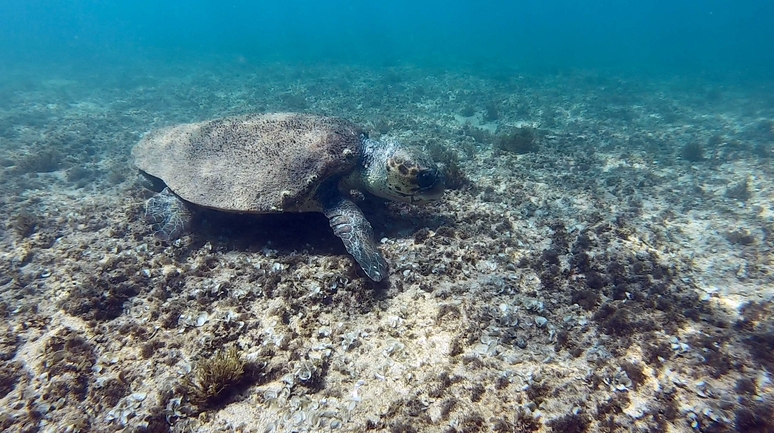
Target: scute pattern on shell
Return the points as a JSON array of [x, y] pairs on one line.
[[257, 163]]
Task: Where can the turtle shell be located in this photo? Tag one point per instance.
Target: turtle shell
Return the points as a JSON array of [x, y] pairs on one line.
[[258, 163]]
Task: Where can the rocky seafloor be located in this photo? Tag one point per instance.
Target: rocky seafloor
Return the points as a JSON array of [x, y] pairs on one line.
[[603, 261]]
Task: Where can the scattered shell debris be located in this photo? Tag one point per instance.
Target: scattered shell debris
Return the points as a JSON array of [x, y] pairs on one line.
[[589, 270]]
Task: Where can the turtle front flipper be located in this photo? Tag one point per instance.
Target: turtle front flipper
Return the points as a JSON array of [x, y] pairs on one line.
[[349, 224], [168, 215]]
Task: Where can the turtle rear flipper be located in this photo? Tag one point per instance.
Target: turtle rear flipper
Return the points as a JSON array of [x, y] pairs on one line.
[[349, 224], [168, 215]]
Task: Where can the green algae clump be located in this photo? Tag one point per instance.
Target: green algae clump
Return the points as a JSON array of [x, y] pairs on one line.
[[519, 140], [213, 376]]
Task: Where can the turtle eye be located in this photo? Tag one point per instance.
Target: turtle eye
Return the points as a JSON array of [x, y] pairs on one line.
[[426, 178]]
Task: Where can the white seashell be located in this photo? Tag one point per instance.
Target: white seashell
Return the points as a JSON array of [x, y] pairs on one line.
[[202, 319]]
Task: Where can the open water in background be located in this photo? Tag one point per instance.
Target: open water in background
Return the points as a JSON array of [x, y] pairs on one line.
[[709, 38], [670, 165]]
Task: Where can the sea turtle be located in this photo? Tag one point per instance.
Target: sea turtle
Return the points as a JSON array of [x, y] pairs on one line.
[[282, 162]]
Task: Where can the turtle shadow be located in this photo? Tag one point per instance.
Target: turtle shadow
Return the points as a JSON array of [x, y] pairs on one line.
[[297, 236], [309, 232], [285, 233]]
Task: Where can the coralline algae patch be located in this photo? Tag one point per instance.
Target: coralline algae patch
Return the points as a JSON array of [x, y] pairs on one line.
[[585, 274]]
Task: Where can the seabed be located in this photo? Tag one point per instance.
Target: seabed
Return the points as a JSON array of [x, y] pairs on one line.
[[603, 263]]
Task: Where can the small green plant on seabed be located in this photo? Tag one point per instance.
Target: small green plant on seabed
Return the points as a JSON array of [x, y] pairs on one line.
[[692, 152], [212, 376], [449, 164], [518, 140]]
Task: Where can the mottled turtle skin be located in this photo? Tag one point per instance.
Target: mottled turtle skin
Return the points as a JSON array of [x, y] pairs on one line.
[[282, 162]]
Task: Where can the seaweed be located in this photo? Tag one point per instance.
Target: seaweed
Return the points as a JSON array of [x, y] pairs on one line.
[[402, 427], [715, 140], [522, 424], [621, 319], [491, 113], [634, 372], [477, 393], [68, 359], [520, 141], [109, 393], [479, 135], [693, 152], [538, 391], [739, 191], [42, 161], [101, 296], [214, 376], [570, 424], [449, 163], [762, 151], [763, 130], [740, 237], [754, 418], [78, 173], [10, 374], [447, 406], [472, 423], [746, 385], [468, 111], [25, 223]]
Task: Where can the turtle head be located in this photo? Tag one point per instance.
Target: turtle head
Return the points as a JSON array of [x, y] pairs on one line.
[[400, 173]]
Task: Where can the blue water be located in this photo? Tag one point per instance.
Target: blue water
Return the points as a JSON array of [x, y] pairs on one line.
[[611, 158], [710, 38]]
